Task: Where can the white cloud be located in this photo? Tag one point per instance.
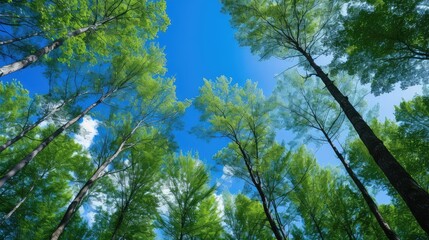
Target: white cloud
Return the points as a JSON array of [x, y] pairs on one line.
[[226, 178], [163, 197], [87, 131], [220, 204]]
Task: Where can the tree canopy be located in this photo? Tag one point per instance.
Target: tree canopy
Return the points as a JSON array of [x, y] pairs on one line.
[[99, 140]]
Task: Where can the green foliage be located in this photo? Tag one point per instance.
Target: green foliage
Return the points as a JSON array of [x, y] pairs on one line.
[[44, 188], [135, 182], [245, 219], [382, 40], [327, 204], [242, 114], [413, 117], [191, 210], [273, 28], [14, 107], [115, 27]]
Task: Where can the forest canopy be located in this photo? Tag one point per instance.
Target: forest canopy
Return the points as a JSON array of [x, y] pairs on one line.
[[137, 119]]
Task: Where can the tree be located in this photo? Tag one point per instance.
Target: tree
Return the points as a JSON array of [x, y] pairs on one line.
[[309, 107], [137, 187], [245, 219], [84, 30], [151, 113], [381, 40], [243, 116], [309, 196], [191, 210], [287, 28]]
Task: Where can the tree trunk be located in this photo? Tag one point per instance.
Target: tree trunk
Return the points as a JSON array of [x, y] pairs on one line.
[[318, 229], [390, 234], [117, 225], [10, 213], [17, 39], [72, 208], [30, 59], [21, 164], [416, 198], [261, 193], [120, 219]]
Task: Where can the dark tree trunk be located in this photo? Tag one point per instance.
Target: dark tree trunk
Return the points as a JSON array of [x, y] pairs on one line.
[[273, 225], [120, 219], [416, 198]]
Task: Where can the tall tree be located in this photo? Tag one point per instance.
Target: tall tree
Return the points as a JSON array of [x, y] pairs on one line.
[[190, 208], [286, 28], [309, 107], [242, 114], [85, 30], [385, 42], [152, 112], [135, 200], [409, 145]]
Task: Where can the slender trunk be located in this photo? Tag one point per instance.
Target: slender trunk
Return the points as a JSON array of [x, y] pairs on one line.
[[182, 226], [318, 229], [279, 221], [17, 39], [117, 225], [120, 220], [261, 193], [27, 129], [72, 208], [390, 234], [9, 214], [30, 59], [21, 164], [304, 206], [416, 198]]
